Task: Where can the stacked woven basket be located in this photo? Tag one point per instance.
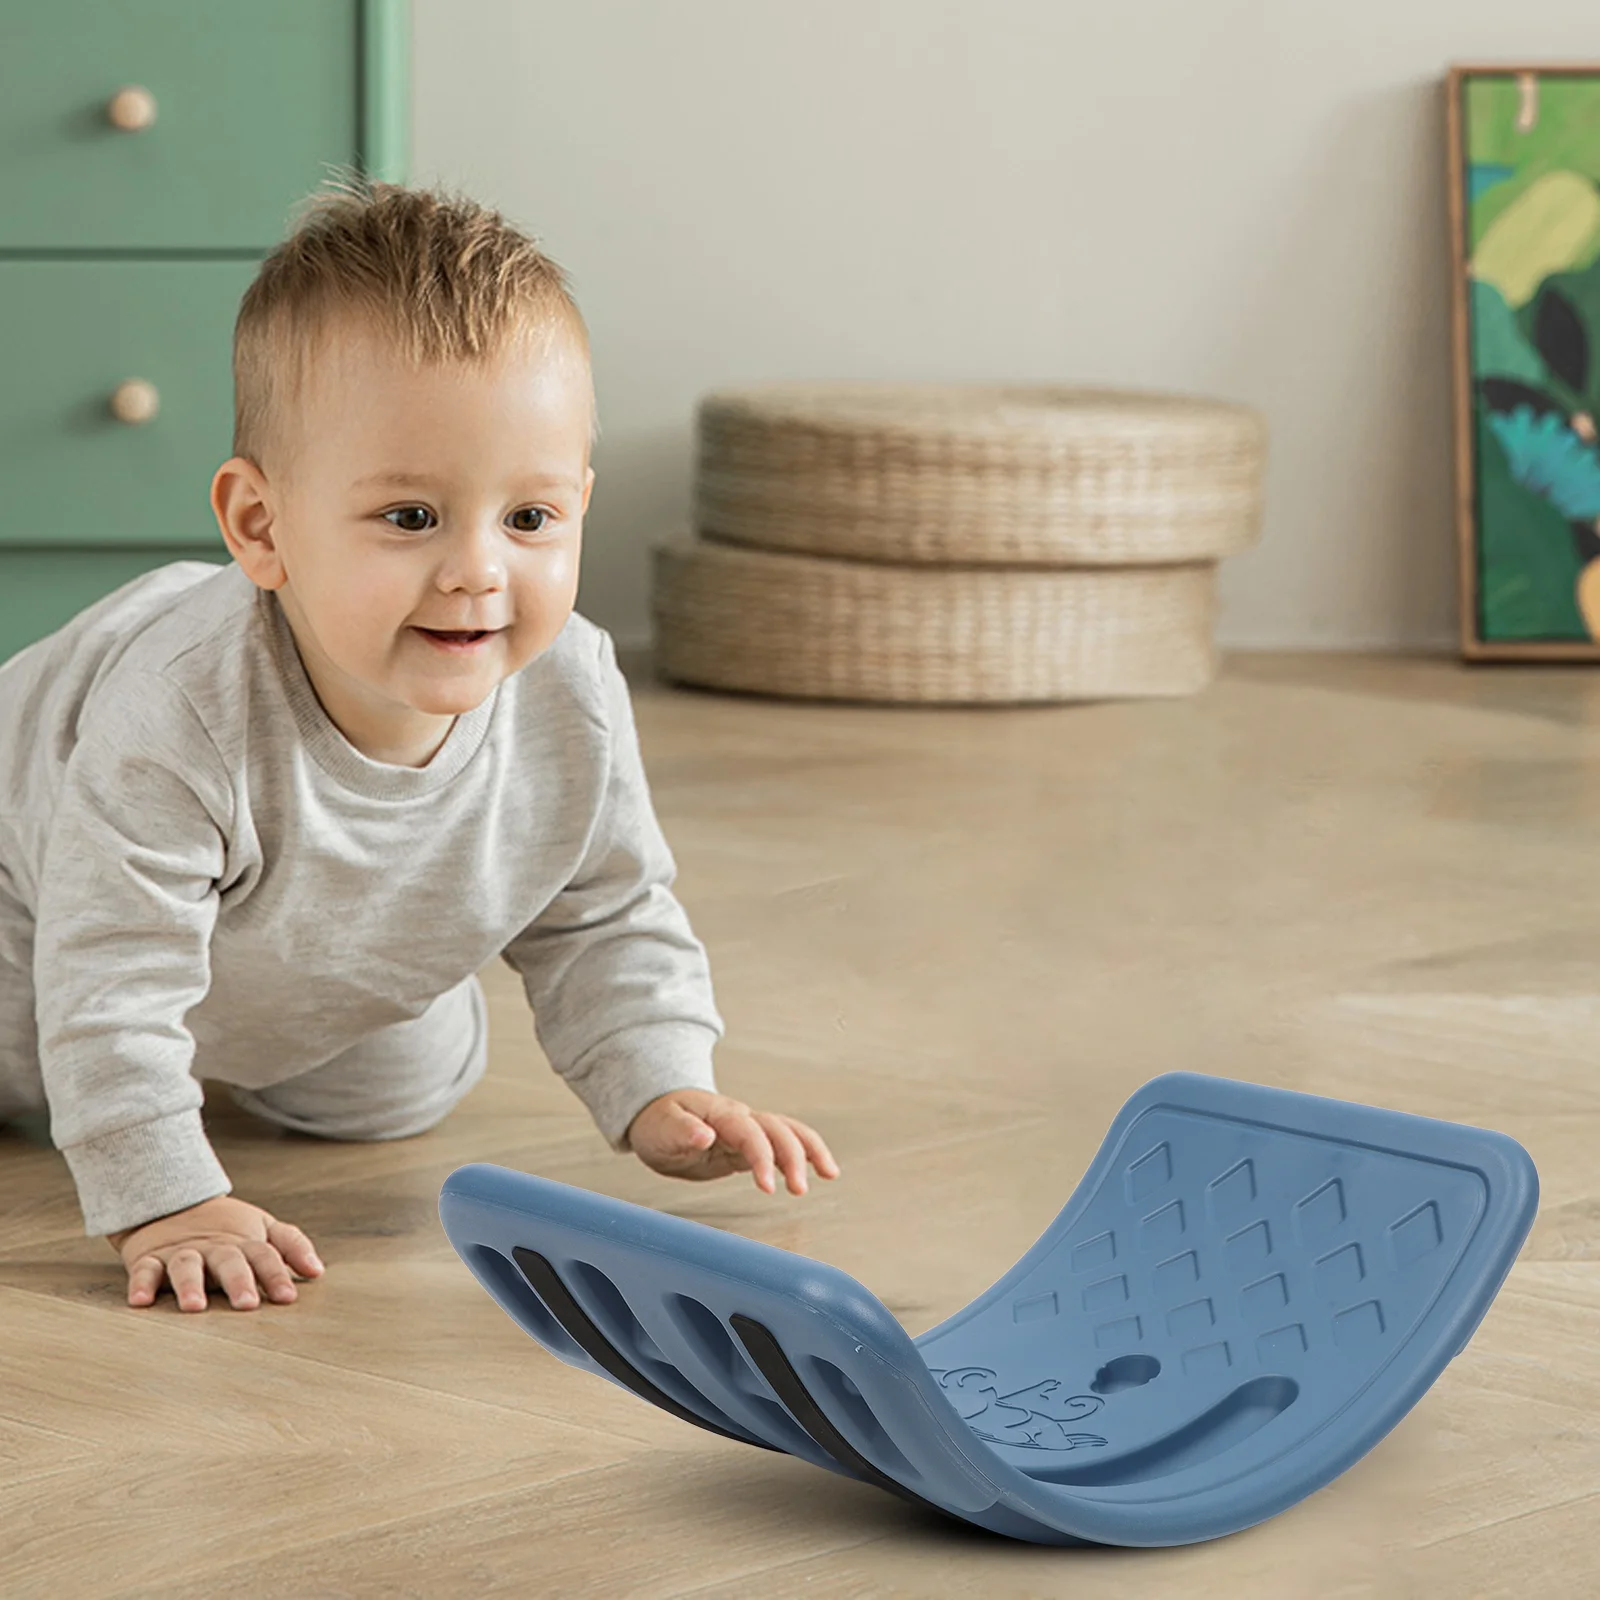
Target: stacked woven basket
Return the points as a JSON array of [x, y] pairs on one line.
[[957, 544]]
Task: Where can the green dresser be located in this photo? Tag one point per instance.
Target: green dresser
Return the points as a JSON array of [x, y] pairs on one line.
[[151, 152]]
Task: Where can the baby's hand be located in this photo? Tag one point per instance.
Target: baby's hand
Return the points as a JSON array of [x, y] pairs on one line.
[[691, 1133], [235, 1241]]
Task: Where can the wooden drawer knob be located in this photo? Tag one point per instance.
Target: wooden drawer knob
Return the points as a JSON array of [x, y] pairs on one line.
[[135, 401], [132, 109]]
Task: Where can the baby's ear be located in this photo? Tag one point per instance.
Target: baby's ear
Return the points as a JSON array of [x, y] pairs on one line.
[[241, 499], [588, 489]]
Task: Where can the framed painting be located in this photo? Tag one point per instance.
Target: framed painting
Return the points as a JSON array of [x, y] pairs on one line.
[[1524, 149]]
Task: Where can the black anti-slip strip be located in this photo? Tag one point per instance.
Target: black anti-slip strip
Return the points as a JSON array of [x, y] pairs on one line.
[[777, 1369], [580, 1326]]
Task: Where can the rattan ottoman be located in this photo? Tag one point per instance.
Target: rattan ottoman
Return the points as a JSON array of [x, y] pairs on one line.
[[944, 543]]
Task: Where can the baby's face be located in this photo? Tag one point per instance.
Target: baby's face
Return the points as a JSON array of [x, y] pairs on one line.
[[428, 531]]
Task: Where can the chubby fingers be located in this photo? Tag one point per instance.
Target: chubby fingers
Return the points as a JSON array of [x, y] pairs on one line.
[[144, 1280], [237, 1267], [681, 1130], [816, 1148], [740, 1128], [235, 1275], [794, 1144], [267, 1265], [293, 1246], [186, 1267], [787, 1149], [768, 1142]]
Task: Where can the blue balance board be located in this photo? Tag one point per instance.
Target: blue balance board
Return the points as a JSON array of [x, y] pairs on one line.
[[1249, 1288]]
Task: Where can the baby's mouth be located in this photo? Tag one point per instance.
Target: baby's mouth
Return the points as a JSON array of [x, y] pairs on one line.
[[458, 637]]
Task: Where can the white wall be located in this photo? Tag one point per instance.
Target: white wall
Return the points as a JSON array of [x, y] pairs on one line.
[[1236, 197]]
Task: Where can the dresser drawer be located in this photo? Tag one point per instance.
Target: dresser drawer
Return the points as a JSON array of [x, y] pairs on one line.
[[41, 589], [251, 101], [71, 333]]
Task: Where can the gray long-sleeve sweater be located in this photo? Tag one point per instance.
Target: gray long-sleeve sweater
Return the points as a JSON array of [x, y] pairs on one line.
[[220, 885]]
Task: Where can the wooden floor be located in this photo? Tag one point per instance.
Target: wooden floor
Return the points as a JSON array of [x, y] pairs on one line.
[[954, 941]]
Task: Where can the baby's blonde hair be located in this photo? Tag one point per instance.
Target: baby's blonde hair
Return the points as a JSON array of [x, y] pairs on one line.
[[437, 274]]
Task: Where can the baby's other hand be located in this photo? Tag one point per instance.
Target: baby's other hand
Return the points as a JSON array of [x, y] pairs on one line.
[[691, 1133], [235, 1242]]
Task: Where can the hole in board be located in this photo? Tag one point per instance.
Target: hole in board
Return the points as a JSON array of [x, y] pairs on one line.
[[1126, 1372]]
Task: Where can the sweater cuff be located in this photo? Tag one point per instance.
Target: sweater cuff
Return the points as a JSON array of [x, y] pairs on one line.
[[137, 1174], [622, 1074]]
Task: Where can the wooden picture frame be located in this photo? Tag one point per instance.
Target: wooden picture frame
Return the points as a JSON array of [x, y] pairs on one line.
[[1526, 334]]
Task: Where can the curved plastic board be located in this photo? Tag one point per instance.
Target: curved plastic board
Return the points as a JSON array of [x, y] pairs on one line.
[[1247, 1290]]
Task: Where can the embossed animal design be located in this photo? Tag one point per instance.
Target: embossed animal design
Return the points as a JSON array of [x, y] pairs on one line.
[[1034, 1418]]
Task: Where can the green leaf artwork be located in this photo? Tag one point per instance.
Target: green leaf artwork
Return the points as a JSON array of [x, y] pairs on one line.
[[1531, 172], [1528, 568], [1562, 135]]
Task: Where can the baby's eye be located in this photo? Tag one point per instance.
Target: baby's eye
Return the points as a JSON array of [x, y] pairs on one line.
[[410, 511], [530, 511]]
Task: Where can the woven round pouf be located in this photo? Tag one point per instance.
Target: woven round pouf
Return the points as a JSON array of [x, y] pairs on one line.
[[816, 628], [980, 474]]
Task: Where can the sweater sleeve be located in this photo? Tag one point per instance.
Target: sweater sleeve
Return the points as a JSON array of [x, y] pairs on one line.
[[128, 896], [618, 982]]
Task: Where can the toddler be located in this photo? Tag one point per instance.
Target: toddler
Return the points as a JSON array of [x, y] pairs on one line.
[[264, 823]]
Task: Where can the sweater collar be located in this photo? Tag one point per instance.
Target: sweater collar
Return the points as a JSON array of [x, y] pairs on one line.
[[381, 780]]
